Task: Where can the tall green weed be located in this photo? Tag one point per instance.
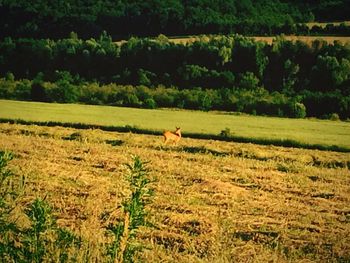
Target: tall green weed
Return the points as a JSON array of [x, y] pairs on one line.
[[125, 244]]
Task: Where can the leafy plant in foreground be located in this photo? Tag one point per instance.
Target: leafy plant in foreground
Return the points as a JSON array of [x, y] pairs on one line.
[[42, 240], [36, 237], [10, 190], [124, 246]]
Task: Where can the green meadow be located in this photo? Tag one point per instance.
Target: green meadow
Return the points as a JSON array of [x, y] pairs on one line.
[[306, 131]]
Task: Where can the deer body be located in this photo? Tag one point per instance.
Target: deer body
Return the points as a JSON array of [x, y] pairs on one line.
[[172, 136]]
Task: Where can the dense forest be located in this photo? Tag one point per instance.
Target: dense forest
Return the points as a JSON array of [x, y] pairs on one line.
[[122, 18], [65, 51], [231, 73]]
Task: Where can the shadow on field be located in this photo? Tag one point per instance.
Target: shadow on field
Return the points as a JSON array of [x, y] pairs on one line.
[[324, 195], [264, 237], [191, 149], [330, 163], [115, 142], [203, 150], [288, 164], [75, 136]]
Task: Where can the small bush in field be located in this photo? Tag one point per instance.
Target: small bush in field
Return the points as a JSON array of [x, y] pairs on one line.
[[225, 133], [334, 117]]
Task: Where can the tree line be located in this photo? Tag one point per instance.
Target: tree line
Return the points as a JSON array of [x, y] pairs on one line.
[[122, 18], [257, 102], [219, 72]]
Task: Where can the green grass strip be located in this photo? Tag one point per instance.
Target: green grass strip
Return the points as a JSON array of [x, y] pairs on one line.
[[231, 138]]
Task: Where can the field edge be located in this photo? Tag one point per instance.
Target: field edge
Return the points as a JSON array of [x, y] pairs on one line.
[[290, 143]]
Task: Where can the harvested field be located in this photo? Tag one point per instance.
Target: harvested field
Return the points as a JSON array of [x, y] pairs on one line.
[[214, 201]]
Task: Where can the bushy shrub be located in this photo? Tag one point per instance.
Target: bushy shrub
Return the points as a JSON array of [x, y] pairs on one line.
[[22, 90], [226, 133], [334, 117], [299, 110], [248, 81], [38, 93], [63, 92], [165, 97], [150, 103]]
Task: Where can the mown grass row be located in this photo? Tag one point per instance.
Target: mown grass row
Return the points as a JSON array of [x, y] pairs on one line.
[[225, 135]]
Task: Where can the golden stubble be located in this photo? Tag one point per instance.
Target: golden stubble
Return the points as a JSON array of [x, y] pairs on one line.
[[214, 201]]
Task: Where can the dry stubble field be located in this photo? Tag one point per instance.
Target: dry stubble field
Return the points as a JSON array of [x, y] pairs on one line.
[[214, 201]]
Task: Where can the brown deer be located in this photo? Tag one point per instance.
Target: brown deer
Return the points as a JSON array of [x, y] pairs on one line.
[[172, 136]]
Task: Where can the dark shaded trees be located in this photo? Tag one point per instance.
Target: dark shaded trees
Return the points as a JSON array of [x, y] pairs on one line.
[[122, 18], [221, 72]]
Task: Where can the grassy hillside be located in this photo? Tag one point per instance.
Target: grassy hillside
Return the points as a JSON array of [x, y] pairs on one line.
[[309, 131], [214, 201]]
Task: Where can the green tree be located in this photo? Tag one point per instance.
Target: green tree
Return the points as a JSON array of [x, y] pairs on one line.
[[329, 73], [38, 92], [248, 81], [290, 76]]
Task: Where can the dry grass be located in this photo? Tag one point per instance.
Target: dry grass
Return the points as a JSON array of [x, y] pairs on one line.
[[324, 24], [214, 202], [306, 39], [269, 40]]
